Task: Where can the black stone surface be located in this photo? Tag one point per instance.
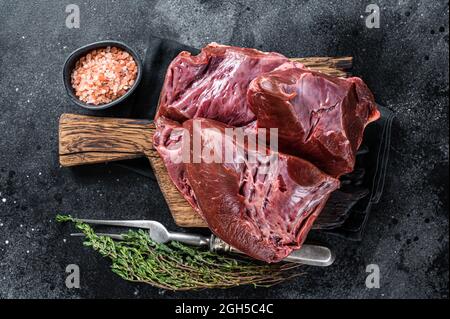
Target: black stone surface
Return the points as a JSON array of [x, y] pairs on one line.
[[404, 62]]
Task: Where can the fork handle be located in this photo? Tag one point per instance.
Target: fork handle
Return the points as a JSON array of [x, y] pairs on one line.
[[313, 255], [194, 240]]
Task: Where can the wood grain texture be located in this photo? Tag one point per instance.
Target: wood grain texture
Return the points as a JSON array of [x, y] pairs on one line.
[[88, 140], [331, 66]]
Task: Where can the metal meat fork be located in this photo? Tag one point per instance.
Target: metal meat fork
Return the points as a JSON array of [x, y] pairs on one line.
[[313, 255]]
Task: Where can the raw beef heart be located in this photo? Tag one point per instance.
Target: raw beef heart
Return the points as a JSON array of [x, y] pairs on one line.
[[319, 118], [320, 122], [264, 210], [168, 141], [214, 83]]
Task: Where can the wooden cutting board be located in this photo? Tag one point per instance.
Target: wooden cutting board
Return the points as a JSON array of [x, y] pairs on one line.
[[89, 139]]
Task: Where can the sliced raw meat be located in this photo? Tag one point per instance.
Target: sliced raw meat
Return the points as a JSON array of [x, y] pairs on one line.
[[168, 141], [214, 83], [319, 118], [262, 208]]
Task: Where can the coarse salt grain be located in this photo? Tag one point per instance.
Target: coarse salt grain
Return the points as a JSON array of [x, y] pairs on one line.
[[103, 75]]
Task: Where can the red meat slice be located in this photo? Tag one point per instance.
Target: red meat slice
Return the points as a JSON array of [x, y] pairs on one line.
[[319, 118], [168, 141], [263, 210], [214, 83]]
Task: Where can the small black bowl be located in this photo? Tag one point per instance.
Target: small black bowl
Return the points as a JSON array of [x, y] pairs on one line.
[[77, 54]]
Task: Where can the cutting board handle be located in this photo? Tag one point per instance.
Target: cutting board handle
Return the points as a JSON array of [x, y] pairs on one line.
[[90, 139]]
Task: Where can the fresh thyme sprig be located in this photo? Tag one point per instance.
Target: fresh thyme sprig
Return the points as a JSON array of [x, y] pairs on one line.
[[175, 266]]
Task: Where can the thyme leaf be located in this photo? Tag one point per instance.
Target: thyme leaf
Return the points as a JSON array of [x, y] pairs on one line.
[[179, 267]]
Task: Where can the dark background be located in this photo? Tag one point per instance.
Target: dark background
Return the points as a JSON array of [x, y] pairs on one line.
[[404, 62]]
